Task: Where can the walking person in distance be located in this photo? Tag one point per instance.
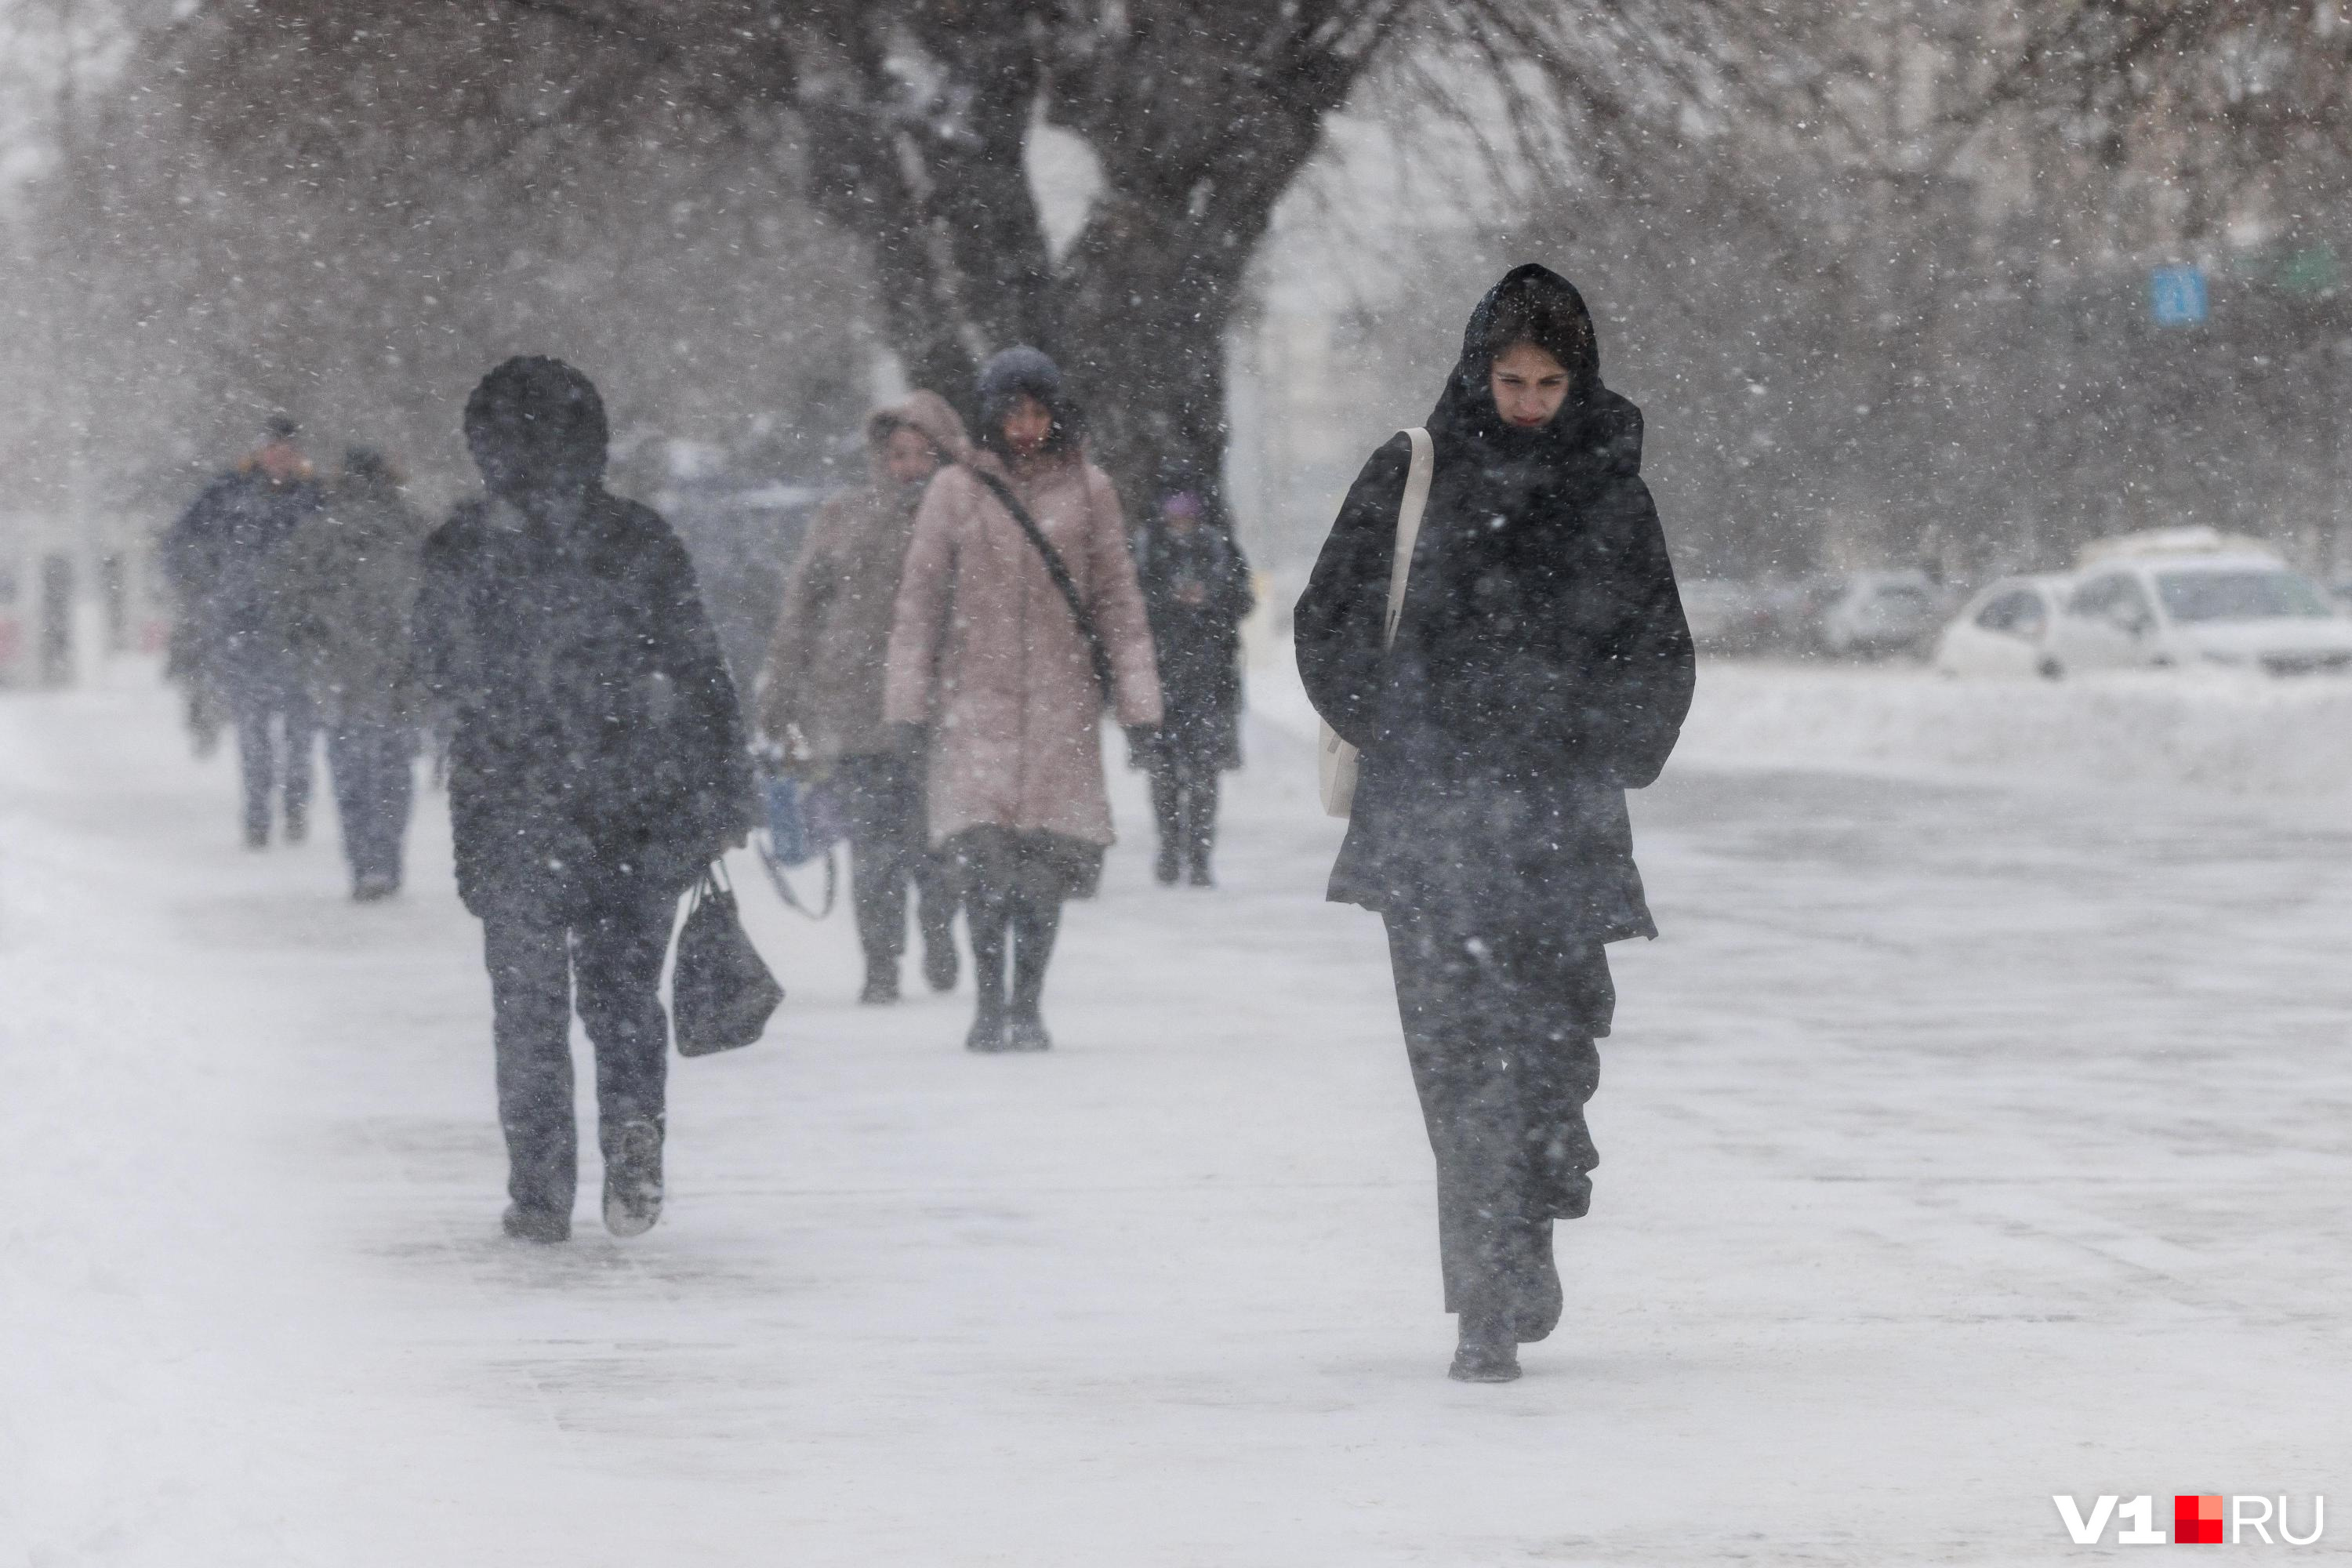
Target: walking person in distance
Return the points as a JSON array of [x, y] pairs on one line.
[[596, 765], [1196, 587], [354, 578], [1541, 666], [1019, 618], [821, 691]]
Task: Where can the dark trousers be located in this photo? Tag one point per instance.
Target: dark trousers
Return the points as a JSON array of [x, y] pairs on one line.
[[881, 800], [539, 958], [376, 785], [1184, 799], [1499, 1029], [277, 731]]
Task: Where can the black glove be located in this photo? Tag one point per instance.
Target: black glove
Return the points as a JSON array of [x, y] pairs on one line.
[[1142, 745], [911, 740]]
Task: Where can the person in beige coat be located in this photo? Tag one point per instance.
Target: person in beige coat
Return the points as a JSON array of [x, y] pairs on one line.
[[821, 689], [989, 662]]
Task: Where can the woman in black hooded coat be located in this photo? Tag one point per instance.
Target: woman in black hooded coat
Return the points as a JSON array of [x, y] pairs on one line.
[[1540, 668]]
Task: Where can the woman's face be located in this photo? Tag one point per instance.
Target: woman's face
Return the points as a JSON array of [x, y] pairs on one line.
[[1026, 425], [1529, 385], [908, 456]]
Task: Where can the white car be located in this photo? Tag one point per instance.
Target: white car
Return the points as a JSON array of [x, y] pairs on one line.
[[2005, 629], [2235, 608], [1880, 612]]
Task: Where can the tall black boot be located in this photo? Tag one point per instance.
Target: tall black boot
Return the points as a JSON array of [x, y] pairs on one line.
[[1168, 812], [1201, 826], [985, 915], [1037, 921]]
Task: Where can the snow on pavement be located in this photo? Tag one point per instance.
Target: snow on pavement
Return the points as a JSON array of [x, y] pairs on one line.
[[1962, 1144]]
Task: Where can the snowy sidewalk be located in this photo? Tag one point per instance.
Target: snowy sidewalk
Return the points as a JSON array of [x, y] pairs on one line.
[[1960, 1147]]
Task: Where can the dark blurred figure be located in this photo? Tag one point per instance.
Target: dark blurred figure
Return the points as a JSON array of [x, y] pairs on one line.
[[226, 560], [351, 588], [596, 765], [1540, 668], [1196, 586], [821, 692]]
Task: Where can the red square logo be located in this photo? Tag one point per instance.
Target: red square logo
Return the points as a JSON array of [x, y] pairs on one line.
[[2197, 1521]]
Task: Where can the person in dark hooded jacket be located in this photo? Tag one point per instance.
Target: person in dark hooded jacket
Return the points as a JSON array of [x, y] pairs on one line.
[[226, 560], [1540, 668], [596, 764], [1196, 586]]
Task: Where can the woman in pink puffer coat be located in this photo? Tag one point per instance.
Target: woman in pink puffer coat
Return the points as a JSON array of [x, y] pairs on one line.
[[987, 658]]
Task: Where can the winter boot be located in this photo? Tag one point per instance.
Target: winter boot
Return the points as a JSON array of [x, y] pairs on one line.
[[298, 823], [881, 983], [1165, 871], [633, 1177], [939, 962], [545, 1226], [1487, 1353], [1201, 877], [1035, 927], [373, 887], [988, 1030]]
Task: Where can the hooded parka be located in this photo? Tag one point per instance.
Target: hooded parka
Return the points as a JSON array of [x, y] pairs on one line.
[[826, 666], [1541, 665], [598, 752], [984, 648]]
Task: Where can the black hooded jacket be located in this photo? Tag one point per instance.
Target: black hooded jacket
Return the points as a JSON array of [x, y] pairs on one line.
[[597, 752], [1541, 665]]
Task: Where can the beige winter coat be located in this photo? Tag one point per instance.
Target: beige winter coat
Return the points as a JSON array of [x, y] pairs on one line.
[[824, 674], [985, 649]]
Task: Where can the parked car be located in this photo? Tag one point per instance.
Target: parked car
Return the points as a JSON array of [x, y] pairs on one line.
[[1728, 616], [1881, 612], [2190, 598], [2005, 629]]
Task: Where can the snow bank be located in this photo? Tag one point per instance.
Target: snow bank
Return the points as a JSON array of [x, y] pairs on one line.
[[2246, 735], [2239, 734]]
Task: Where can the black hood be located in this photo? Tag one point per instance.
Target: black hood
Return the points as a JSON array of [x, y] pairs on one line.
[[1534, 304], [1019, 372], [536, 427]]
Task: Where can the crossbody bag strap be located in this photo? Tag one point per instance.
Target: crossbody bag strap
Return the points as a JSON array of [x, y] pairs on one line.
[[1408, 527], [1056, 569]]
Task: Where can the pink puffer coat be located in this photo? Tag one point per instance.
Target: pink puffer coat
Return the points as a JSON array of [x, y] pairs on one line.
[[984, 648]]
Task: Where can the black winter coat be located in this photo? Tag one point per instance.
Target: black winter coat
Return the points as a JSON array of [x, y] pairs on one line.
[[1541, 665], [227, 559], [1196, 589], [598, 751]]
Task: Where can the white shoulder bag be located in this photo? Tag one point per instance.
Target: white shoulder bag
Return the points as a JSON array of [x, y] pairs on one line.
[[1335, 758]]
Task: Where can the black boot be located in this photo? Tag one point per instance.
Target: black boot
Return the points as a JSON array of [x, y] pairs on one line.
[[1036, 924], [544, 1227], [986, 916], [633, 1177], [939, 961], [881, 982], [1488, 1352]]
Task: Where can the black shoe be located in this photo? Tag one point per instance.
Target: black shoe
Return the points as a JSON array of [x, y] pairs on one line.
[[374, 887], [940, 964], [544, 1227], [1201, 877], [881, 984], [256, 837], [298, 827], [1027, 1035], [633, 1178], [987, 1033], [1486, 1353], [1165, 871]]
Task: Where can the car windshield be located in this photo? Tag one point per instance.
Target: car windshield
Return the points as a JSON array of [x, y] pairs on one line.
[[2253, 595]]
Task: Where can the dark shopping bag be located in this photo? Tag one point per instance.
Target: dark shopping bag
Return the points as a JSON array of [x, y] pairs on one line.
[[721, 993]]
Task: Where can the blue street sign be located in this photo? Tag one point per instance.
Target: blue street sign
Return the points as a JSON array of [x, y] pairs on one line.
[[2176, 296]]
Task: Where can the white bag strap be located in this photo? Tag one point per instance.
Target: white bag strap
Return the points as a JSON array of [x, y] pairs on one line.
[[1416, 501]]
